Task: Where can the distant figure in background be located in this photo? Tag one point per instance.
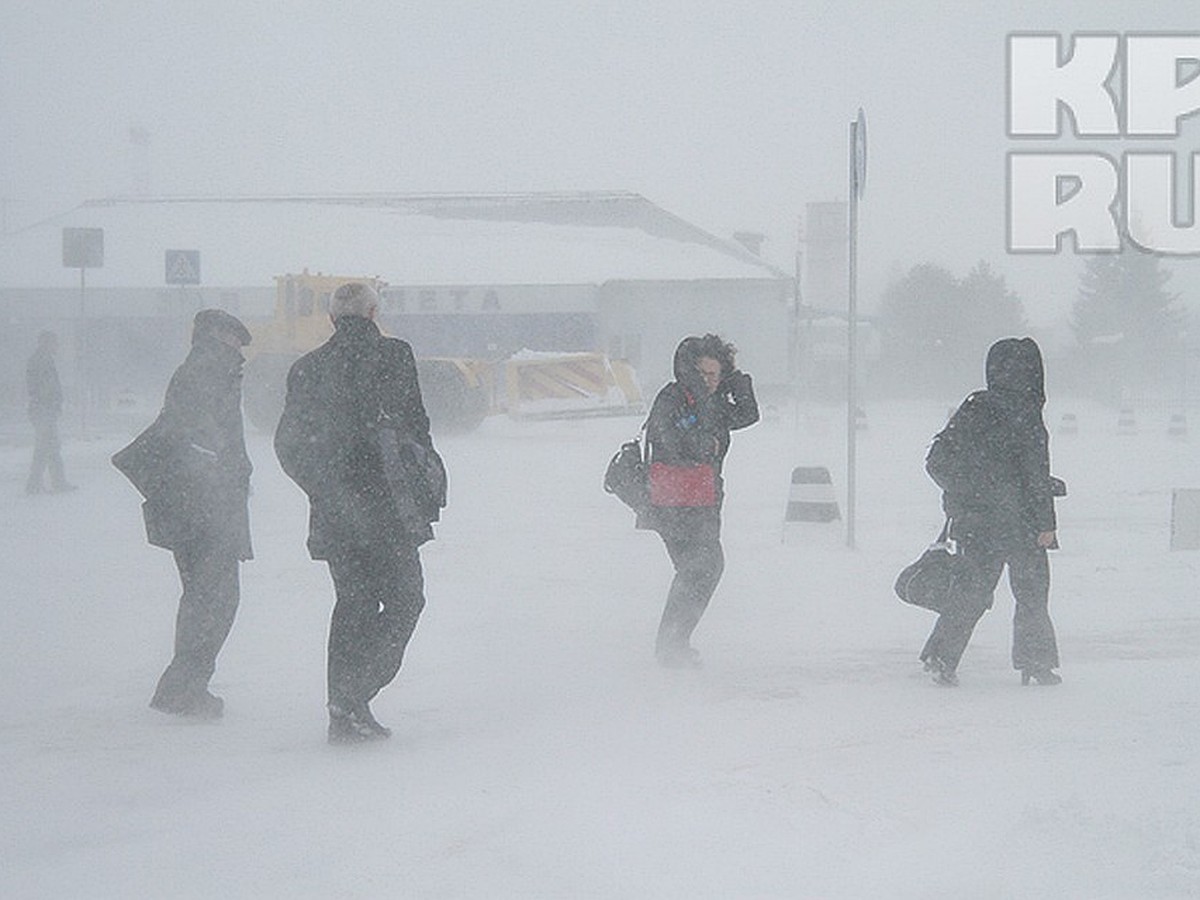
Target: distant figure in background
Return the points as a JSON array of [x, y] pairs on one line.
[[355, 437], [191, 466], [688, 436], [45, 407], [992, 462]]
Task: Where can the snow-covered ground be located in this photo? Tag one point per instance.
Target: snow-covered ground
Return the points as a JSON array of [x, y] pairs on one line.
[[539, 752]]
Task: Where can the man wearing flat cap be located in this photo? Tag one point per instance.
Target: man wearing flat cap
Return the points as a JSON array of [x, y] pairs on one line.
[[191, 467]]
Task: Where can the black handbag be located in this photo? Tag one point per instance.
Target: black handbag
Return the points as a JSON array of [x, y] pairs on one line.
[[416, 478], [933, 581], [627, 476]]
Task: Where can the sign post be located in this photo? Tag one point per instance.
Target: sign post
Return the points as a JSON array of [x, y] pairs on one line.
[[82, 249], [858, 178]]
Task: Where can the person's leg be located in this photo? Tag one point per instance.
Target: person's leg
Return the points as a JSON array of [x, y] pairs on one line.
[[207, 608], [948, 641], [699, 563], [400, 585], [379, 599], [351, 627], [1035, 648], [41, 457], [54, 460]]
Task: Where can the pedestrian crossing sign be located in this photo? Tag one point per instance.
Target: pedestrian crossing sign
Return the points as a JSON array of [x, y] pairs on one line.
[[183, 266]]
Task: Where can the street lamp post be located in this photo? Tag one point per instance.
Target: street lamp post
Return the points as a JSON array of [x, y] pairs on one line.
[[858, 177]]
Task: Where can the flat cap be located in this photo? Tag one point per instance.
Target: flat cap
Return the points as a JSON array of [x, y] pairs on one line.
[[214, 321]]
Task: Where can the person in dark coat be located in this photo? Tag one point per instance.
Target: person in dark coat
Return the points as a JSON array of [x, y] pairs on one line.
[[992, 462], [688, 434], [45, 407], [191, 466], [355, 437]]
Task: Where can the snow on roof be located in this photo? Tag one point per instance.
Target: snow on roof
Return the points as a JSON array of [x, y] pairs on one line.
[[414, 239]]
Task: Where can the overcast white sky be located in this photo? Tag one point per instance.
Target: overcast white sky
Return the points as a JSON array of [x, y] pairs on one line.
[[730, 114]]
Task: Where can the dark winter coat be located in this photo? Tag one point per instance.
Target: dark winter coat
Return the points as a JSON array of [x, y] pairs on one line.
[[992, 459], [191, 463], [687, 425], [339, 397], [43, 386]]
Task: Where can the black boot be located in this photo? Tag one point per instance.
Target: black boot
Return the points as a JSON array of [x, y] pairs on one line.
[[1041, 675], [197, 704], [354, 725], [943, 673]]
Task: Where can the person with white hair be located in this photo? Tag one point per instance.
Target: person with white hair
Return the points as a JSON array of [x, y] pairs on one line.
[[355, 437]]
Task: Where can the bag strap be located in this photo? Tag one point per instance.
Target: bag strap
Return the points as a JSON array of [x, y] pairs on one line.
[[642, 441]]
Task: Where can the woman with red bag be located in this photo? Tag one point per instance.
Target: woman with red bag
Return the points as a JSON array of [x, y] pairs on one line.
[[688, 437]]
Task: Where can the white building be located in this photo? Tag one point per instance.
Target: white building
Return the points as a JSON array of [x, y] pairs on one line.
[[467, 275]]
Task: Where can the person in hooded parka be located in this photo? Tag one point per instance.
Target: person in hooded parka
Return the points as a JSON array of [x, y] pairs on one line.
[[992, 461], [353, 406], [192, 468], [688, 430]]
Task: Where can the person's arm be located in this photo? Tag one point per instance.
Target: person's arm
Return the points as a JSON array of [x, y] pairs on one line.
[[299, 443], [739, 405], [1033, 463]]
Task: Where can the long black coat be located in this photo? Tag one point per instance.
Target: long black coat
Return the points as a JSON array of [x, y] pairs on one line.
[[328, 443], [191, 463], [992, 460]]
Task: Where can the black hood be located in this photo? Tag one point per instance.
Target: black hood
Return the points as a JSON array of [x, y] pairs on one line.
[[687, 355], [1014, 366]]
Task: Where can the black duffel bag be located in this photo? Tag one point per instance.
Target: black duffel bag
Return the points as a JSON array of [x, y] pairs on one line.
[[935, 579]]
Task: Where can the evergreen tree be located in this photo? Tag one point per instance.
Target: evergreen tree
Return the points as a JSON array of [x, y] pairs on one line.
[[1125, 320], [936, 328], [995, 311]]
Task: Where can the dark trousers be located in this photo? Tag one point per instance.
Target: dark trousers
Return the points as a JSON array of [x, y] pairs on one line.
[[1034, 644], [47, 454], [206, 611], [380, 595], [699, 561]]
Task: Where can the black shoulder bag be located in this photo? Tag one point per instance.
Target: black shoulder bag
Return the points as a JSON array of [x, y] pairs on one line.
[[934, 580], [627, 475]]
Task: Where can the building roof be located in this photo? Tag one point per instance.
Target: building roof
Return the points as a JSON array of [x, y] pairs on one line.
[[574, 238]]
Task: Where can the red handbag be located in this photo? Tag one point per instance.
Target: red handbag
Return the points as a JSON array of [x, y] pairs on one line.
[[694, 485]]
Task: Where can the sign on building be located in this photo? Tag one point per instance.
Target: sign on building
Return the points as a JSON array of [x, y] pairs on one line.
[[83, 248], [182, 266]]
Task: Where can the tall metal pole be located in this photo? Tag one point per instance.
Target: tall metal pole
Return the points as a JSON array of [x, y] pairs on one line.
[[852, 342], [81, 376], [795, 336]]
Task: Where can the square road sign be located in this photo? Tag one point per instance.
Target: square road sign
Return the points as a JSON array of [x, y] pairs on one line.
[[83, 248], [182, 266]]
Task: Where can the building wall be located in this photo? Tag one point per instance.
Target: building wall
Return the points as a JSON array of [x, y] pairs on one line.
[[644, 322]]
